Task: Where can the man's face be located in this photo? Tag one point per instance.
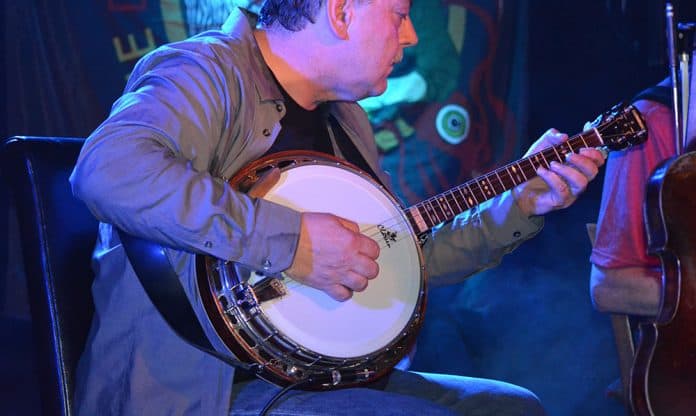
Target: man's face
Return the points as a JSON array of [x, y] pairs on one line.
[[379, 32]]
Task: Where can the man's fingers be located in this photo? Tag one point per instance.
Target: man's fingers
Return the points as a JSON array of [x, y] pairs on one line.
[[354, 281], [365, 267], [339, 292], [368, 247], [365, 244]]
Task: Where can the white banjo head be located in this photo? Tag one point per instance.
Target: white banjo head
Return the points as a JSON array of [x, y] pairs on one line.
[[371, 319]]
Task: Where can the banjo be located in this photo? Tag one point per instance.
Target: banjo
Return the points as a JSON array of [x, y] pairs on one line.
[[298, 334]]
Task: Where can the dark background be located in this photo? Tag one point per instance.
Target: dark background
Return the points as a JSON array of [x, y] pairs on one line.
[[529, 321]]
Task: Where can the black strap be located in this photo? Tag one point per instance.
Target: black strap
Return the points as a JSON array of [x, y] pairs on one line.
[[162, 285], [348, 149]]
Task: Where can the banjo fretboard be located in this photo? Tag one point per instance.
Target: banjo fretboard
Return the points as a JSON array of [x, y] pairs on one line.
[[447, 205]]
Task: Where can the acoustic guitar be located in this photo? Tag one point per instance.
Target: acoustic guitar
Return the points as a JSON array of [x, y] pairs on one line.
[[663, 377]]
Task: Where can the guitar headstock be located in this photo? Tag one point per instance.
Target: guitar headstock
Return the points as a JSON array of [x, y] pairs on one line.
[[621, 127]]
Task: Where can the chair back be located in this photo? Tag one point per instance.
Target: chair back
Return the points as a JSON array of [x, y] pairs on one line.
[[57, 235]]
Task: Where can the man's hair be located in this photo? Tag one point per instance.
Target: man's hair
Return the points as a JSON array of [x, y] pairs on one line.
[[291, 14]]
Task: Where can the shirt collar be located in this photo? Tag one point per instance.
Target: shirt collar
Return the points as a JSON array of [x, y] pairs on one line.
[[239, 25]]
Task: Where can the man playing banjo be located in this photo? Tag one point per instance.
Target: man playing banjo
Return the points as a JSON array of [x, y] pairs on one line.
[[196, 112]]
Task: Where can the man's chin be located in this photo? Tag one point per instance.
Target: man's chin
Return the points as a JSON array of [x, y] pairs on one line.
[[379, 89]]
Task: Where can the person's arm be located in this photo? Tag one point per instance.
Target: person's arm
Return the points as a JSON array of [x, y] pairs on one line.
[[626, 290], [147, 168], [625, 279], [479, 238]]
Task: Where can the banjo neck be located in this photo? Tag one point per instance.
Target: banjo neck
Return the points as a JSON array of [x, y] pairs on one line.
[[618, 128], [445, 206]]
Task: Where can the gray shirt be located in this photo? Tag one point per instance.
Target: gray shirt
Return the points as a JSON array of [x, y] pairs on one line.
[[193, 113]]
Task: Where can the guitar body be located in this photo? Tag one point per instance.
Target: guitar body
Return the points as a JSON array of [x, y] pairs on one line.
[[295, 331], [663, 378]]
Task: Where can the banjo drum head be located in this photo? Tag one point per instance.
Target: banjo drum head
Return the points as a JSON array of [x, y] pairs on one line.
[[372, 319]]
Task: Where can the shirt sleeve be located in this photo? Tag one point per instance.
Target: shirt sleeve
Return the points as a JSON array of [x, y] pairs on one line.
[[620, 239], [147, 168], [478, 239]]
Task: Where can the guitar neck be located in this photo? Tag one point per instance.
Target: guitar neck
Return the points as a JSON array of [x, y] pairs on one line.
[[447, 205]]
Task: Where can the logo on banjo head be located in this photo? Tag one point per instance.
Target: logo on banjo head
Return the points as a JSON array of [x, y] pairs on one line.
[[388, 235]]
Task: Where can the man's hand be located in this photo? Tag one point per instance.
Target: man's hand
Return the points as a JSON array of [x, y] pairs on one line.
[[561, 184], [332, 255]]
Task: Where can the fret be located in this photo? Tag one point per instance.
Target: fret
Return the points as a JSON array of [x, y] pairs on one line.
[[442, 209], [528, 169], [583, 138], [470, 202], [598, 138], [487, 188], [442, 200], [454, 197], [522, 172], [502, 184], [476, 201], [522, 168], [560, 159], [439, 210], [426, 214], [570, 146], [483, 194], [431, 212], [507, 169], [478, 190], [548, 165], [538, 160], [416, 219], [461, 197], [564, 151]]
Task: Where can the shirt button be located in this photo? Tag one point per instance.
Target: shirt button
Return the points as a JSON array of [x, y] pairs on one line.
[[208, 244], [266, 132], [279, 107], [517, 234], [266, 264]]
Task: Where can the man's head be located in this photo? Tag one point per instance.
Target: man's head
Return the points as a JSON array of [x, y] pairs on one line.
[[344, 48]]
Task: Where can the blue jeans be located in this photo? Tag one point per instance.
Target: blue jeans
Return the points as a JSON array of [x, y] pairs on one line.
[[403, 393]]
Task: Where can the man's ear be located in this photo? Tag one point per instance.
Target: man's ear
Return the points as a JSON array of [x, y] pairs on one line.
[[340, 13]]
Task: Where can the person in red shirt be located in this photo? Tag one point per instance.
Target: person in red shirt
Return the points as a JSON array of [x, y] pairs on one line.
[[625, 278]]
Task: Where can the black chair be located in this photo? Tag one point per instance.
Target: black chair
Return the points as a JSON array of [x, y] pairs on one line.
[[57, 239]]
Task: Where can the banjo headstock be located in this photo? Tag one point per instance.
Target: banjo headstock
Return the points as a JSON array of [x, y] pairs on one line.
[[621, 127]]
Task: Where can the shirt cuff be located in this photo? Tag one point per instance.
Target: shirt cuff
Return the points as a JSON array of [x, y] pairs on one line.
[[272, 245], [512, 225]]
